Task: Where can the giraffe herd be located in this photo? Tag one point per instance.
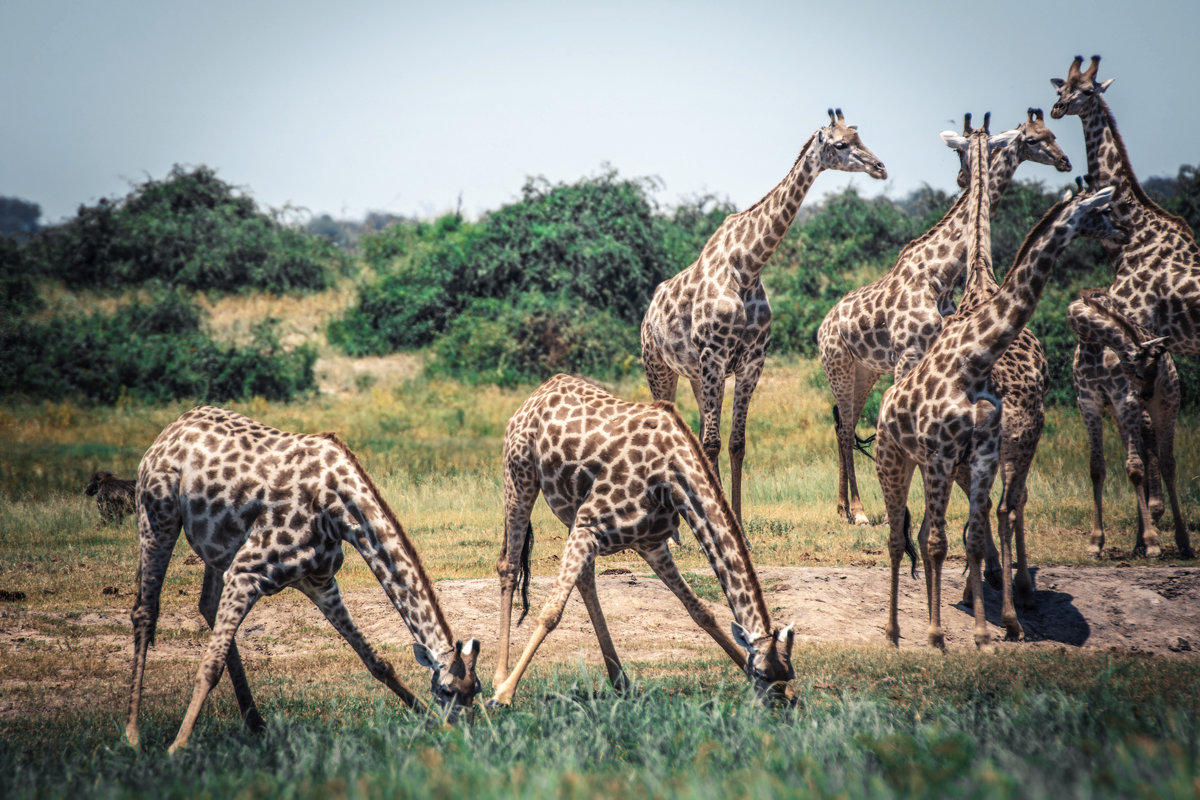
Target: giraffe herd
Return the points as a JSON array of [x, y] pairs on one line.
[[266, 509]]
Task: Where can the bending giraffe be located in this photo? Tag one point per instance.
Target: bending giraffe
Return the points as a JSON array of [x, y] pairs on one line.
[[713, 319], [1156, 284], [887, 325], [945, 412], [1147, 422], [619, 475], [265, 510]]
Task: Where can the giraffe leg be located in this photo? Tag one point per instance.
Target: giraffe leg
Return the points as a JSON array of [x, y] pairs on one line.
[[328, 597], [934, 546], [864, 381], [895, 477], [239, 594], [158, 530], [1091, 409], [1130, 411], [839, 367], [659, 559], [743, 389], [1165, 409], [210, 595], [520, 493], [713, 396], [591, 601], [985, 457], [577, 556], [662, 379]]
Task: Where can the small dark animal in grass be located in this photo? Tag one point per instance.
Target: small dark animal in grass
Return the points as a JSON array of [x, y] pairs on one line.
[[114, 496]]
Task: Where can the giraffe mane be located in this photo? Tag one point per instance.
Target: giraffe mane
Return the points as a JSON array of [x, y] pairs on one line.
[[920, 240], [1126, 166], [409, 550], [763, 199], [710, 475]]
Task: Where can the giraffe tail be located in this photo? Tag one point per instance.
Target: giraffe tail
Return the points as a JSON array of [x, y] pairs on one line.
[[523, 575], [860, 444], [909, 547]]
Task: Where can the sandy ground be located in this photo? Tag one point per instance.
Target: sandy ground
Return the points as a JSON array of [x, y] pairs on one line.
[[1134, 609]]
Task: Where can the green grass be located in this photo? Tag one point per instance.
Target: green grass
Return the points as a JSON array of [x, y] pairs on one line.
[[869, 724]]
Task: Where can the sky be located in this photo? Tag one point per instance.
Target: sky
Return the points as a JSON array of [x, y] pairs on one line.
[[415, 108]]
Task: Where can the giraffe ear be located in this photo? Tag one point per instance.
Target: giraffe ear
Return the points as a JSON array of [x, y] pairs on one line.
[[424, 656], [1002, 139], [1057, 83], [742, 637], [954, 140], [1103, 87]]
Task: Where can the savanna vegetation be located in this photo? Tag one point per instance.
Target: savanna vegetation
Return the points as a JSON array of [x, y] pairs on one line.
[[97, 358]]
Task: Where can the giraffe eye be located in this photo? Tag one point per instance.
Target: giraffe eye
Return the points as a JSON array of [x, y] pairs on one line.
[[840, 145]]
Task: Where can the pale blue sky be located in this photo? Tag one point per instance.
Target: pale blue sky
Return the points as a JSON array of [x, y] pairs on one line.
[[400, 107]]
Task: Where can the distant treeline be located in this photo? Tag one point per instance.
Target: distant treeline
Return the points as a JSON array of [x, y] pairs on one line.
[[557, 281]]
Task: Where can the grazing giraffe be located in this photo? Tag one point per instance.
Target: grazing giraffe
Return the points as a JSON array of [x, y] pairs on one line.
[[1156, 285], [945, 412], [266, 509], [1100, 384], [619, 475], [114, 496], [888, 324], [713, 319]]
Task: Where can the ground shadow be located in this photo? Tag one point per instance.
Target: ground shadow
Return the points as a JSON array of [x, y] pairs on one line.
[[1053, 617]]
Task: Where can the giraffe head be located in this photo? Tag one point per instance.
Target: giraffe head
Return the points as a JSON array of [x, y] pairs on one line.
[[962, 143], [1090, 214], [768, 659], [1033, 142], [453, 684], [1079, 90], [841, 149]]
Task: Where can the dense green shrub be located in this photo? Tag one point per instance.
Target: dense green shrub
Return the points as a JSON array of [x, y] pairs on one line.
[[495, 341], [595, 246], [190, 230], [154, 352]]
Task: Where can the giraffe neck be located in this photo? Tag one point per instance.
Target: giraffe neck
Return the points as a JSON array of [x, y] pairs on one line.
[[384, 546], [751, 237], [979, 220], [996, 322], [699, 499], [1107, 162]]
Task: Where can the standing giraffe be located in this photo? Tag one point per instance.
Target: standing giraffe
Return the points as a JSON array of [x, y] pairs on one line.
[[619, 475], [1100, 384], [265, 510], [887, 325], [945, 413], [1156, 285], [713, 319]]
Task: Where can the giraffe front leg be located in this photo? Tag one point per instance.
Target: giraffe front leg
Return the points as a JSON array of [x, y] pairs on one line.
[[934, 546], [1135, 470], [578, 554], [895, 471], [664, 567], [985, 457], [1091, 411], [239, 594], [1164, 435], [743, 390], [710, 394], [591, 601], [328, 598], [210, 595], [158, 530]]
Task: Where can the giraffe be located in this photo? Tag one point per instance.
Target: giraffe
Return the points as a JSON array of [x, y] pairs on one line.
[[1156, 285], [266, 509], [945, 411], [619, 475], [1100, 384], [886, 326], [713, 319]]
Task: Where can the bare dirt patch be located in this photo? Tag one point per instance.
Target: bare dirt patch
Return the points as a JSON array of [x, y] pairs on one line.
[[1138, 609]]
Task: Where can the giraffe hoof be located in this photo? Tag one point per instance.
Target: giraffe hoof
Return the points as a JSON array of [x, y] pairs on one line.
[[861, 519], [1185, 551], [494, 703], [254, 721]]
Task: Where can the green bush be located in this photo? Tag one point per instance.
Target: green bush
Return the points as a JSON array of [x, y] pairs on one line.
[[154, 352], [595, 246], [495, 341], [190, 230]]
